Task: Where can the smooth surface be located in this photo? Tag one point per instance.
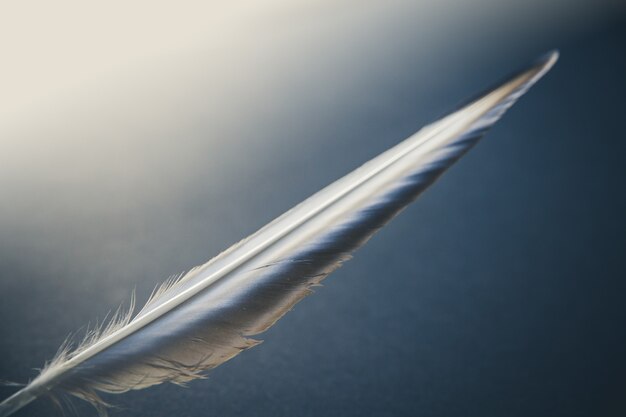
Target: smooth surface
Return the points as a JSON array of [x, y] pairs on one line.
[[500, 292]]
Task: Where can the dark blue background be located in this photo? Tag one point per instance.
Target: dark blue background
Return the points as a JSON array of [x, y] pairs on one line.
[[500, 292]]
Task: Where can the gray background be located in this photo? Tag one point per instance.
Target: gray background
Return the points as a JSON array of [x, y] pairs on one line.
[[499, 292]]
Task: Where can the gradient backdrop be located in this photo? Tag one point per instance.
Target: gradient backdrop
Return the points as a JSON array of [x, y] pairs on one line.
[[138, 139]]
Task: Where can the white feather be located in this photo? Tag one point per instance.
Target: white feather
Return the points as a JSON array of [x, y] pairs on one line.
[[197, 321]]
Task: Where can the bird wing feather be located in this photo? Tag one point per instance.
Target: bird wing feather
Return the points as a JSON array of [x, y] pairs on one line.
[[195, 322]]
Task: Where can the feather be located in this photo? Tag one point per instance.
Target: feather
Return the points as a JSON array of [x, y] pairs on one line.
[[195, 322]]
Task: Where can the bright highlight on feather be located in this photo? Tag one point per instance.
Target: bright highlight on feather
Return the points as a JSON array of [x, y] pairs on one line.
[[197, 321]]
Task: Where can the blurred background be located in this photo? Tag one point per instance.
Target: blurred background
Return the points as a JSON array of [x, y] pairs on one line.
[[138, 139]]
